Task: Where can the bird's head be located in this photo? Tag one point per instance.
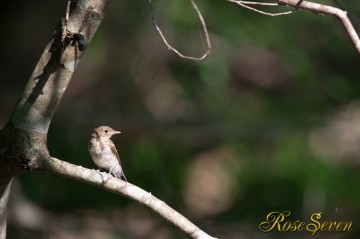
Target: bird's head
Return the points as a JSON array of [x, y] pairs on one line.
[[105, 132]]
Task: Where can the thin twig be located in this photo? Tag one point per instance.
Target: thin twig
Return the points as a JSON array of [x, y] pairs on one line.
[[172, 48], [256, 3], [244, 5]]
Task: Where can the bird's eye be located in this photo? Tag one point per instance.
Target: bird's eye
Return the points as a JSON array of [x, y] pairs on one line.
[[106, 131]]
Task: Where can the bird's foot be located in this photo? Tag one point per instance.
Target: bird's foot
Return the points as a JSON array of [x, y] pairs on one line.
[[104, 174], [109, 175]]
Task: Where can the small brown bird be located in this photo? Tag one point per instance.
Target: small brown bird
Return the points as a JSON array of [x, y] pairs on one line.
[[104, 153]]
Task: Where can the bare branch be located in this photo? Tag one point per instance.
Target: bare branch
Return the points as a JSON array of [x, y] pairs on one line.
[[172, 48], [115, 185], [315, 8], [352, 16], [254, 3], [245, 4], [329, 10]]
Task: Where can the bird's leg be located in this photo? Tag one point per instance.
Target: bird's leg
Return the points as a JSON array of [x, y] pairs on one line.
[[110, 171]]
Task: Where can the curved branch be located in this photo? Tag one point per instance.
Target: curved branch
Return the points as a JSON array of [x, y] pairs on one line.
[[315, 8], [352, 17], [171, 48], [329, 10], [117, 186]]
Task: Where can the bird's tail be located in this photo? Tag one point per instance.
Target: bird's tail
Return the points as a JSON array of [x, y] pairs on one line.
[[123, 177], [120, 175]]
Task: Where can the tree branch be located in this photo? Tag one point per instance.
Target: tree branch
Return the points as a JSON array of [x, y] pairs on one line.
[[245, 4], [23, 140], [329, 10], [171, 48], [318, 9], [117, 186]]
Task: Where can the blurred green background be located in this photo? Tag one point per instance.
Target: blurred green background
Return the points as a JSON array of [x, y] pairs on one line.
[[270, 121]]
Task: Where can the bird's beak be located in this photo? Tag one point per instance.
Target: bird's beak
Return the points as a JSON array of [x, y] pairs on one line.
[[116, 132]]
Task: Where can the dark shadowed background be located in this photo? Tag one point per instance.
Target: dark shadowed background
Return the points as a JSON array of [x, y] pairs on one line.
[[270, 121]]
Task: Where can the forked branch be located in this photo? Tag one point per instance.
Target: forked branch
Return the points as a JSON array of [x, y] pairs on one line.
[[245, 4]]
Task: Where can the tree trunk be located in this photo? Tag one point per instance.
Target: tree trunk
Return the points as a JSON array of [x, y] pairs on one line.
[[23, 140]]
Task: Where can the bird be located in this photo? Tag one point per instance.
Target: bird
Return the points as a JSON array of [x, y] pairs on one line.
[[103, 151]]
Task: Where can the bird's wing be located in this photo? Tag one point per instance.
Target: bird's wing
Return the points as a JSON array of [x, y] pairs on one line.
[[113, 149]]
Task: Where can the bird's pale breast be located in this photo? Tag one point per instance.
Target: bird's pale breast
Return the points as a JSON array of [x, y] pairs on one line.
[[101, 153]]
